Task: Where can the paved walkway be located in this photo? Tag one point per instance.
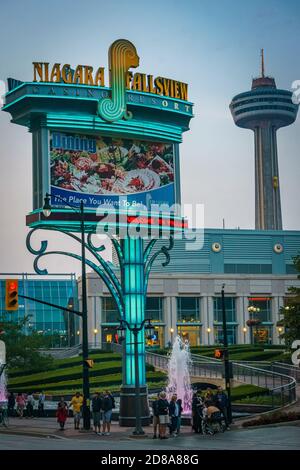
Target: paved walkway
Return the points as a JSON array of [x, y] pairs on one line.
[[275, 438], [49, 427]]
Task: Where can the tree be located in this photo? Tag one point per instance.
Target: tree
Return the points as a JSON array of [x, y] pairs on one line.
[[291, 312], [22, 351]]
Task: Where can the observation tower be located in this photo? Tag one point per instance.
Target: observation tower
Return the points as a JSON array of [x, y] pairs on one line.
[[265, 109]]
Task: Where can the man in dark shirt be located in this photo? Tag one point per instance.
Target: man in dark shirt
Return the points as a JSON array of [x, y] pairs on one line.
[[108, 403], [221, 401], [96, 408]]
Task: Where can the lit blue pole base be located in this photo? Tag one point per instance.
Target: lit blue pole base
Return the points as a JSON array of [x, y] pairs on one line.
[[129, 292]]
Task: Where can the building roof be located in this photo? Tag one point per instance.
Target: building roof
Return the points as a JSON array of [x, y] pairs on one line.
[[218, 251]]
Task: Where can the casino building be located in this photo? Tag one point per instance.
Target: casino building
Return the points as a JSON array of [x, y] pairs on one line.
[[184, 297], [59, 289]]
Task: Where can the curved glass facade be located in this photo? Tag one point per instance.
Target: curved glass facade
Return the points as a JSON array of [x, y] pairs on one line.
[[44, 319]]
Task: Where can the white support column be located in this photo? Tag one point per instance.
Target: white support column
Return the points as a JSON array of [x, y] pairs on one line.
[[240, 319], [99, 307], [173, 316], [167, 319], [90, 322], [208, 322], [96, 322], [247, 335], [203, 318], [275, 318]]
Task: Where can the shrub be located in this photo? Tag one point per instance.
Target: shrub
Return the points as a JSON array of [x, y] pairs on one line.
[[277, 417]]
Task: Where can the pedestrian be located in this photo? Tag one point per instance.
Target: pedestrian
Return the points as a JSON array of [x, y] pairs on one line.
[[108, 403], [76, 404], [180, 410], [173, 413], [96, 409], [11, 401], [30, 405], [20, 400], [155, 416], [163, 413], [62, 413], [222, 404], [197, 407], [41, 404]]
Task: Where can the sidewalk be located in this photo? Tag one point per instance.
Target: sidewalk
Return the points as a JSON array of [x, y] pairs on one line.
[[48, 427]]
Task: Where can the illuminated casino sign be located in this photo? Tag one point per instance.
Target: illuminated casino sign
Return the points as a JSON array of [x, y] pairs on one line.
[[86, 75], [103, 138]]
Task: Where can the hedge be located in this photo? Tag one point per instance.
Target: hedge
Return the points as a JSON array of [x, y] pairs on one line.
[[276, 417], [256, 356], [65, 363], [106, 381], [69, 374], [243, 391], [77, 370]]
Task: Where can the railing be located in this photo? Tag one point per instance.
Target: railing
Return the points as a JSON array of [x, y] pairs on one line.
[[289, 369], [62, 353], [281, 387]]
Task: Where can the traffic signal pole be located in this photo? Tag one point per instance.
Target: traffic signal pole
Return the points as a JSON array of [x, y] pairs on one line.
[[227, 365]]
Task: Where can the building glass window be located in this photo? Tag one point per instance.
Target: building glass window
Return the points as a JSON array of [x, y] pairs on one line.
[[231, 334], [154, 309], [190, 333], [264, 304], [188, 309], [110, 311], [230, 309]]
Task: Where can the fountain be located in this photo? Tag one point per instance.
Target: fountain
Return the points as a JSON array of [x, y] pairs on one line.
[[179, 374], [2, 373]]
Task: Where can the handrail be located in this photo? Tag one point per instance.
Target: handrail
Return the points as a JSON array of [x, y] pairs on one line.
[[281, 387]]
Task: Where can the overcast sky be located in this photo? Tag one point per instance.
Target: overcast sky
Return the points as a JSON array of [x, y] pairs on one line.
[[213, 46]]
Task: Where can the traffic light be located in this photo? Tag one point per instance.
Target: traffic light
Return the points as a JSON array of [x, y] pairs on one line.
[[11, 294], [219, 354], [90, 363]]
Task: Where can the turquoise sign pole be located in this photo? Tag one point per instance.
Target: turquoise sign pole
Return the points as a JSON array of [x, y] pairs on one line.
[[75, 130]]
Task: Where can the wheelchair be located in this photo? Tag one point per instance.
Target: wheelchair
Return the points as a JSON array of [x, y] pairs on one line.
[[214, 424]]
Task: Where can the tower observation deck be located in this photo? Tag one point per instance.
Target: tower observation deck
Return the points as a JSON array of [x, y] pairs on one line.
[[265, 109]]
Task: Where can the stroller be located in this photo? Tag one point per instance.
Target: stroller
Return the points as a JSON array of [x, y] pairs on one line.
[[214, 424]]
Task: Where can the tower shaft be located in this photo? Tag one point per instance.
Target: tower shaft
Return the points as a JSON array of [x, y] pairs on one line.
[[267, 191]]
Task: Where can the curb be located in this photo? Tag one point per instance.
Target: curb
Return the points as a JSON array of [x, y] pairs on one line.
[[30, 433]]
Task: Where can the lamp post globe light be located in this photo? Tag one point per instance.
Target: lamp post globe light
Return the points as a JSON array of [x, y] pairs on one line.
[[135, 330], [84, 312], [253, 321]]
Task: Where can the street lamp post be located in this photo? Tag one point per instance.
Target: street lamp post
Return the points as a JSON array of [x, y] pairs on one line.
[[172, 332], [280, 330], [253, 321], [227, 365], [138, 431], [85, 346], [245, 332], [208, 335]]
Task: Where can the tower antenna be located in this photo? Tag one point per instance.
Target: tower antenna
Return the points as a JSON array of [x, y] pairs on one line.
[[262, 63]]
